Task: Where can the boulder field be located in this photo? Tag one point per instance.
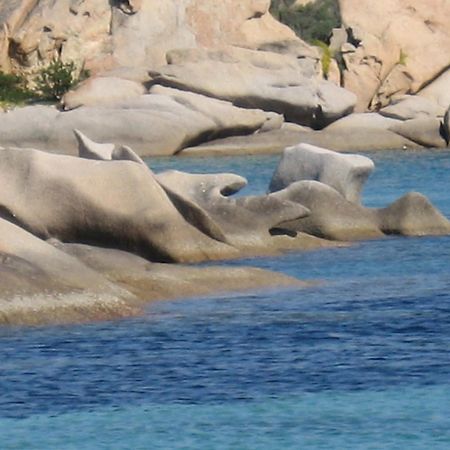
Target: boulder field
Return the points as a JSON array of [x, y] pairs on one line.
[[199, 77], [95, 236], [88, 231]]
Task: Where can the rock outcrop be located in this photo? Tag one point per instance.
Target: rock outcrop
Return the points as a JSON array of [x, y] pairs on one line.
[[396, 47], [101, 34], [162, 123], [345, 173], [76, 229], [272, 83]]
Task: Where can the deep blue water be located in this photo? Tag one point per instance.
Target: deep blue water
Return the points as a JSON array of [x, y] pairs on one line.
[[360, 361]]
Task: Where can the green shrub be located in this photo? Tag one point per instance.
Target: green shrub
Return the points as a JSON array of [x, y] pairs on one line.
[[312, 22], [13, 89], [327, 56], [54, 80]]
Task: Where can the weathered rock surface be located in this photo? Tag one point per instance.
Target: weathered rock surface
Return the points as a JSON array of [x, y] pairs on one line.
[[345, 140], [153, 281], [332, 216], [40, 283], [116, 203], [89, 149], [424, 131], [345, 173], [411, 107], [247, 222], [412, 215], [102, 91], [362, 120], [400, 45], [438, 91], [51, 282], [156, 124], [255, 83], [106, 34]]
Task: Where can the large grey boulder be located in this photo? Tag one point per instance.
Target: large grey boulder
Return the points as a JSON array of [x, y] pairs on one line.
[[410, 107], [281, 88], [343, 172], [247, 222], [102, 91], [412, 215], [40, 283], [331, 215], [116, 203], [362, 120], [157, 124], [426, 132], [438, 91]]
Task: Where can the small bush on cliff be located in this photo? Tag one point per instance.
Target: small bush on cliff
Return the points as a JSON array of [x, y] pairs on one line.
[[13, 89], [312, 22], [54, 80]]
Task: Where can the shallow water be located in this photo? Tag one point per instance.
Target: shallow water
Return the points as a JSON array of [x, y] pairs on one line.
[[360, 361]]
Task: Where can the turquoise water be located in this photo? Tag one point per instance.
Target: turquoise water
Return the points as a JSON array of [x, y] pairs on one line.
[[360, 361]]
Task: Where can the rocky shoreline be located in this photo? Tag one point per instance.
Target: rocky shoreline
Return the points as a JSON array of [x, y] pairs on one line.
[[89, 232], [98, 235]]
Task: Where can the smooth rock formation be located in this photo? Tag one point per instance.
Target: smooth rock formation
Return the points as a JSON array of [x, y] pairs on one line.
[[345, 140], [102, 91], [267, 85], [156, 124], [247, 222], [332, 216], [116, 203], [438, 91], [40, 283], [411, 107], [424, 131], [412, 215], [104, 152], [345, 173], [362, 120]]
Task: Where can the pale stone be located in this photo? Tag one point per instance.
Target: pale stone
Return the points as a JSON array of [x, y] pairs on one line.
[[403, 45], [116, 203], [343, 172], [425, 131], [438, 91], [268, 85], [413, 107], [102, 91]]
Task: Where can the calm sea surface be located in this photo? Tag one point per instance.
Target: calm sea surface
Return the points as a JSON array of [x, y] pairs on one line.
[[359, 362]]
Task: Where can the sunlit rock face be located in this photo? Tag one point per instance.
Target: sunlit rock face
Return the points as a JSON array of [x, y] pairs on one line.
[[104, 34], [397, 46]]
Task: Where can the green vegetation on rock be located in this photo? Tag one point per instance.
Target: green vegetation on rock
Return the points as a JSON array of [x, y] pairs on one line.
[[327, 56], [13, 89], [54, 80], [50, 84], [312, 22]]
